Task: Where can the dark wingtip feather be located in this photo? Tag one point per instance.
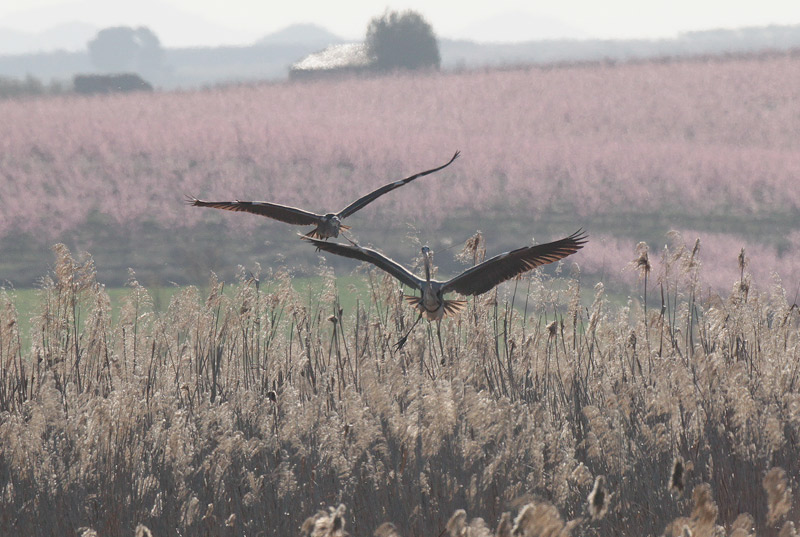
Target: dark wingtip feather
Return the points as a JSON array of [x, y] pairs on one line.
[[579, 239], [580, 236]]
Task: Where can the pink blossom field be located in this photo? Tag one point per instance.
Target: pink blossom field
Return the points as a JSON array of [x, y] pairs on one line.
[[628, 152]]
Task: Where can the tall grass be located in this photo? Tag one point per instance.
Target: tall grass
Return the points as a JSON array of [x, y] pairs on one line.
[[243, 413]]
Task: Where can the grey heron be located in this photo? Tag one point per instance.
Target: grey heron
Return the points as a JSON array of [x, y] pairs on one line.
[[327, 225], [473, 281]]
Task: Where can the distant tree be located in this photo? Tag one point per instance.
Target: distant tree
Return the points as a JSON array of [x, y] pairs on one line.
[[10, 87], [151, 54], [114, 49], [402, 40], [122, 48]]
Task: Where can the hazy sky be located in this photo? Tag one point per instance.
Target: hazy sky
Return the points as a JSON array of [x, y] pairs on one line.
[[213, 22]]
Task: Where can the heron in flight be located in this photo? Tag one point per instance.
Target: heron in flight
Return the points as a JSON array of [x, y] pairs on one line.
[[327, 225], [473, 281]]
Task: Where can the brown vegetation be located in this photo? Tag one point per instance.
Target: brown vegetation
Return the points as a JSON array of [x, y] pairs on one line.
[[242, 413]]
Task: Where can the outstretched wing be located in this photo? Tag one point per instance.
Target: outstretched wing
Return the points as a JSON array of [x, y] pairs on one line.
[[370, 256], [284, 213], [500, 268], [375, 194]]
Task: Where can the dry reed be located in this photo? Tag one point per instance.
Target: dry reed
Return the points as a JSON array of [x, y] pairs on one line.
[[240, 410]]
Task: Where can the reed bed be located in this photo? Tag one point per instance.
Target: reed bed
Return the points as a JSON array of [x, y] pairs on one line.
[[244, 412]]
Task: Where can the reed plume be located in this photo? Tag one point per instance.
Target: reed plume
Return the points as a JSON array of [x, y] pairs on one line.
[[598, 499]]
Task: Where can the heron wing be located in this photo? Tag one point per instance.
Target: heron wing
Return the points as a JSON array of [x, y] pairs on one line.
[[284, 213], [370, 256], [375, 194], [500, 268]]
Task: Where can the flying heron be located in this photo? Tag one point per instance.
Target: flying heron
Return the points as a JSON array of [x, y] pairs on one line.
[[328, 225], [473, 281]]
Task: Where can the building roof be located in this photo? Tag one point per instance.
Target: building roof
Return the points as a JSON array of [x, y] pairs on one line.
[[345, 56]]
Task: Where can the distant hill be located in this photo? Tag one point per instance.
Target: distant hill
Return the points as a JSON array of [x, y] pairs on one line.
[[520, 26], [71, 36], [274, 54], [469, 54], [301, 34]]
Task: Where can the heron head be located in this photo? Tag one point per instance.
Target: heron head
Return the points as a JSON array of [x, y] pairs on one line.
[[426, 251]]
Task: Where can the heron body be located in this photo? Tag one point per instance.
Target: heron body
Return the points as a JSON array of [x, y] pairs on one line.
[[329, 226], [432, 303], [326, 225]]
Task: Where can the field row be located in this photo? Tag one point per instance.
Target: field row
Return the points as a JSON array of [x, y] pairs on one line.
[[627, 151]]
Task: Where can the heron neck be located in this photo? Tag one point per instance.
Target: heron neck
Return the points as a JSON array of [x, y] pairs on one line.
[[427, 268]]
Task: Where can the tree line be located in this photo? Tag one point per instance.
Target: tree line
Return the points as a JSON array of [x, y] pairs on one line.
[[394, 40]]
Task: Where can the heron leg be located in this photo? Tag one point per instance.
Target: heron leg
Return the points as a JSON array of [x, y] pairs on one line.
[[439, 335], [402, 340]]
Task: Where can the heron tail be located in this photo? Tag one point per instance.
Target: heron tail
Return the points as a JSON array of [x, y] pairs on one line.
[[315, 233], [451, 307], [454, 307], [413, 300]]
